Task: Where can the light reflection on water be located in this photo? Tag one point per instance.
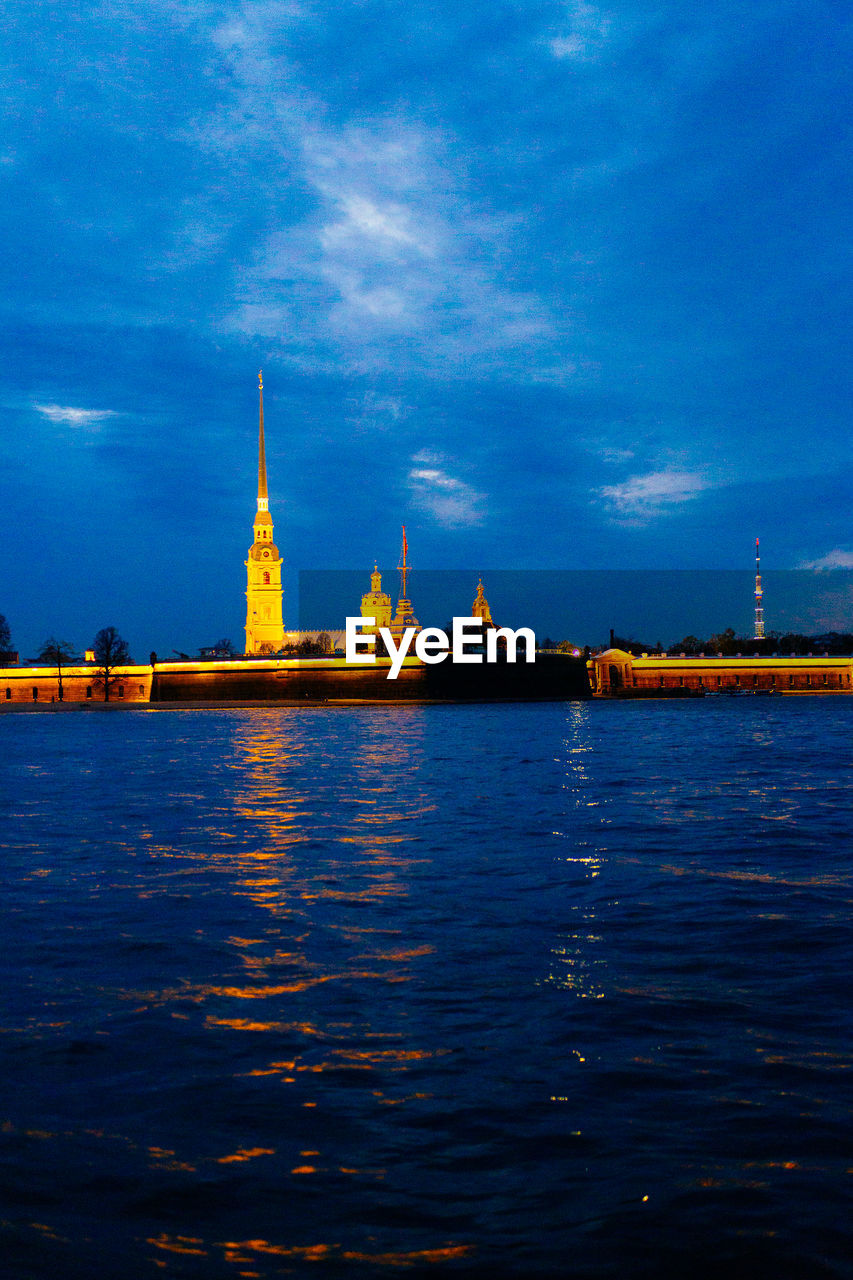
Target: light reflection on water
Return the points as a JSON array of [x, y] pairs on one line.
[[460, 988]]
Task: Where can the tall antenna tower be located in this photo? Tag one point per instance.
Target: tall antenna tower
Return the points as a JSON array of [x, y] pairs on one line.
[[759, 594]]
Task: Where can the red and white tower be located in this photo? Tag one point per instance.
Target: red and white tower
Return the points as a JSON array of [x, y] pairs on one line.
[[759, 594]]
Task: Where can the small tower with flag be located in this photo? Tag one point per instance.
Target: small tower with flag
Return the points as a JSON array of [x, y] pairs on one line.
[[264, 623], [405, 615]]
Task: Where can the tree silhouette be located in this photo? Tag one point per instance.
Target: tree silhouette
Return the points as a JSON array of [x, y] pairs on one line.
[[111, 651], [5, 639], [57, 653], [725, 642]]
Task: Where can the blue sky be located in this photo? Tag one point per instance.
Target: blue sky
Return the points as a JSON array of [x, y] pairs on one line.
[[557, 284]]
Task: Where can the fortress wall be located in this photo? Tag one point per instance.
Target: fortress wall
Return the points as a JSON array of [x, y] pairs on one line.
[[79, 684], [618, 673], [283, 680], [554, 677], [551, 677]]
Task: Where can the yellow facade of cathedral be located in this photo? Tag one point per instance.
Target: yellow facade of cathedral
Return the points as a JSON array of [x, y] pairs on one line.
[[264, 619], [480, 609], [376, 603]]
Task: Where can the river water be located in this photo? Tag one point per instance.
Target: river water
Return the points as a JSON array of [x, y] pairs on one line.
[[516, 990]]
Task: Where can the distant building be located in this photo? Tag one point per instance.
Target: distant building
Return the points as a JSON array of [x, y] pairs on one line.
[[264, 621], [616, 673], [319, 642]]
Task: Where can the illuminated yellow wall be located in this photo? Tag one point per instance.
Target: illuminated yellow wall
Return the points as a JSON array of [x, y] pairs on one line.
[[615, 671], [79, 684]]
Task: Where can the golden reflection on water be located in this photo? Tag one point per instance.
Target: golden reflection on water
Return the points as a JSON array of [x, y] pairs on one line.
[[252, 1252], [577, 960], [362, 831], [308, 849], [242, 1154]]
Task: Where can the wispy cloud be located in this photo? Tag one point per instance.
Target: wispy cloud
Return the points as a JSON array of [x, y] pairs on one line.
[[379, 245], [363, 219], [449, 500], [376, 412], [645, 497], [87, 419], [836, 559], [587, 30], [401, 266], [615, 455]]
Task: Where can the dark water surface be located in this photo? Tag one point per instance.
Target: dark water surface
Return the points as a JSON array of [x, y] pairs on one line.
[[523, 990]]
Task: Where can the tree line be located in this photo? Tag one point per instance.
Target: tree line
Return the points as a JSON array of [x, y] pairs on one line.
[[730, 644]]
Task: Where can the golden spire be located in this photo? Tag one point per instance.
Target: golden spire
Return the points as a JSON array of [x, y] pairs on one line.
[[263, 496]]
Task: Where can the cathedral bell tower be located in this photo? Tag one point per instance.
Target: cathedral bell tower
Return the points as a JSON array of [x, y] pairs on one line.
[[376, 603], [480, 609], [264, 624]]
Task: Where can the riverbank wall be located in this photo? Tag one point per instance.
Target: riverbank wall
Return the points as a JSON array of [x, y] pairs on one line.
[[618, 674], [552, 677]]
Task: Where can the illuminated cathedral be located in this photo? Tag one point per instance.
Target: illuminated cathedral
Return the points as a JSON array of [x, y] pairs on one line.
[[265, 633], [264, 619]]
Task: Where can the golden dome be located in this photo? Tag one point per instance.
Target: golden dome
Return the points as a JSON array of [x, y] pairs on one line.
[[263, 551]]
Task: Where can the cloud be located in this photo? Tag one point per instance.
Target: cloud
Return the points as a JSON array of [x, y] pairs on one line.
[[836, 559], [589, 29], [379, 244], [646, 496], [87, 419], [366, 220], [615, 455], [376, 412], [450, 501], [392, 261]]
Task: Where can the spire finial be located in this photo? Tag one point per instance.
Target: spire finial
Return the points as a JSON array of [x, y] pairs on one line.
[[260, 379]]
